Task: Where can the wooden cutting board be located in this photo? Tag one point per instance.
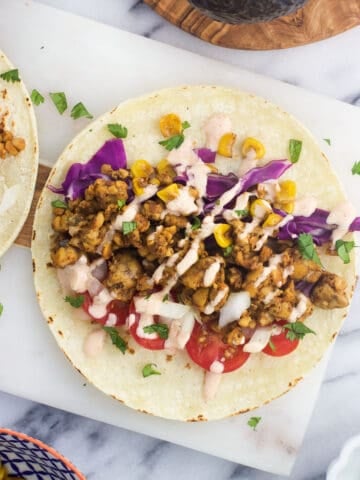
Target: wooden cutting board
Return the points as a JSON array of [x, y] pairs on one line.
[[318, 20]]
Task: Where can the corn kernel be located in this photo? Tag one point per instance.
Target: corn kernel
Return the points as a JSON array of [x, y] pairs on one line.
[[272, 219], [225, 145], [287, 191], [154, 181], [168, 193], [288, 207], [212, 168], [255, 145], [170, 125], [137, 186], [222, 234], [141, 169], [259, 208]]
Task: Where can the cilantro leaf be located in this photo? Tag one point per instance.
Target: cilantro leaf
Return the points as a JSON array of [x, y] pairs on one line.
[[121, 203], [295, 147], [227, 251], [327, 140], [79, 110], [253, 422], [1, 308], [165, 298], [128, 227], [11, 76], [75, 301], [149, 370], [116, 339], [36, 97], [197, 224], [176, 140], [59, 204], [343, 249], [356, 168], [173, 142], [297, 330], [148, 296], [160, 328], [271, 345], [59, 100], [242, 213], [307, 248], [119, 131]]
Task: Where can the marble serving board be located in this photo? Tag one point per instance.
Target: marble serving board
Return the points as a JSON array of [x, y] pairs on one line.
[[101, 66]]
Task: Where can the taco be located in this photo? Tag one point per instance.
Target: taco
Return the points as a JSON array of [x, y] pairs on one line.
[[18, 153], [193, 252]]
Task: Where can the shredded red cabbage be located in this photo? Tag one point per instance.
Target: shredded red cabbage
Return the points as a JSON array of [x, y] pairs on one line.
[[80, 176], [206, 155], [304, 287], [217, 184]]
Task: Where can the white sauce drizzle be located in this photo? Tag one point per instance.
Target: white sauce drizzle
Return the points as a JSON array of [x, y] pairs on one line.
[[261, 338], [269, 190], [99, 303], [269, 297], [183, 156], [273, 263], [342, 216], [210, 273], [183, 204], [305, 206], [144, 321], [268, 231], [214, 128], [248, 163], [300, 308], [216, 367], [210, 307], [9, 197]]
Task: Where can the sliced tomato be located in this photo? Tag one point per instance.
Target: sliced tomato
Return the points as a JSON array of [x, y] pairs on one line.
[[149, 343], [280, 345], [120, 309], [205, 346]]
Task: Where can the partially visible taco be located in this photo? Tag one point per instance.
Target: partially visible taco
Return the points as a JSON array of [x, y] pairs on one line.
[[210, 242], [18, 153]]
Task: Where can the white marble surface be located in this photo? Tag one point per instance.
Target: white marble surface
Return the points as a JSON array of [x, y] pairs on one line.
[[331, 67]]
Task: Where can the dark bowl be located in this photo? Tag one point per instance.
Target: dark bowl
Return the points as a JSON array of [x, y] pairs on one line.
[[247, 11]]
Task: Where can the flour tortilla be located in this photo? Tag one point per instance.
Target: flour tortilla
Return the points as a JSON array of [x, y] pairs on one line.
[[177, 392], [17, 174]]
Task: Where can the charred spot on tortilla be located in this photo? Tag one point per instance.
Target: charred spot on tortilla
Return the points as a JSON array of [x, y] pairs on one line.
[[235, 282], [33, 238], [33, 266], [50, 320], [60, 333]]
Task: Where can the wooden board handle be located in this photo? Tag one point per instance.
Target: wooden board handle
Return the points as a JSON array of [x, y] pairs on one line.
[[24, 237]]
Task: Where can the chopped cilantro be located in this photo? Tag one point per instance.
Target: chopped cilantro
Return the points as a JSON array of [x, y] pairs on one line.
[[119, 131], [327, 140], [242, 213], [79, 110], [116, 339], [356, 168], [343, 249], [59, 204], [307, 248], [160, 328], [176, 140], [36, 97], [121, 203], [59, 100], [295, 150], [271, 345], [148, 296], [75, 301], [253, 422], [227, 251], [297, 331], [165, 298], [1, 308], [11, 76], [149, 370], [128, 227], [196, 224]]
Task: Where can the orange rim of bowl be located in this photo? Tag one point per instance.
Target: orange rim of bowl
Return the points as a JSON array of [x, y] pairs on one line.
[[42, 445]]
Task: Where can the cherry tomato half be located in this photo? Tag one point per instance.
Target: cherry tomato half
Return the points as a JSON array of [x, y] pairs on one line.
[[205, 346], [281, 345], [149, 343], [116, 307]]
